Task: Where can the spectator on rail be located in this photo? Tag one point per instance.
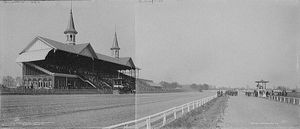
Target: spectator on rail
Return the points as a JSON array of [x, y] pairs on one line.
[[267, 93]]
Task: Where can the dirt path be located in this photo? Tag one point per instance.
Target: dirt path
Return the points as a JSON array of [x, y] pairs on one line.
[[204, 117]]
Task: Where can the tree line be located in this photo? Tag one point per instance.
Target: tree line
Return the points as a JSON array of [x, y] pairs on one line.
[[196, 87], [10, 82]]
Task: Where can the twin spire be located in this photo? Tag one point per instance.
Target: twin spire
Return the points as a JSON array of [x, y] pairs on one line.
[[71, 32], [71, 26], [115, 47]]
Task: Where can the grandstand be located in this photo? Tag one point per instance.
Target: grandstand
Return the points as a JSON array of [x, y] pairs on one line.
[[49, 64]]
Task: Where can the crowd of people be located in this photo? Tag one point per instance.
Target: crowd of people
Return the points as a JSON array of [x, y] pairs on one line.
[[227, 92], [103, 79], [267, 93]]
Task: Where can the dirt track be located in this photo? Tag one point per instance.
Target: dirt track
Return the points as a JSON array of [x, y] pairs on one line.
[[257, 113], [85, 111]]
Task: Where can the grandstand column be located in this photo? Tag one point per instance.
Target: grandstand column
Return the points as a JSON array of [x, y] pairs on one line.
[[52, 82], [67, 82], [134, 72]]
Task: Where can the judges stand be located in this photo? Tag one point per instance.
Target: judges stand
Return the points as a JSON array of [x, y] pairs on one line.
[[261, 88]]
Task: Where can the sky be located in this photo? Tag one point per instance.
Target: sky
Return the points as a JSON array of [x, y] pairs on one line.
[[219, 42]]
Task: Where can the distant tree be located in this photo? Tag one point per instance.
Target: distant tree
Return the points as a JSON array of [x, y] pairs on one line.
[[205, 86], [171, 85], [281, 88], [8, 81], [194, 86]]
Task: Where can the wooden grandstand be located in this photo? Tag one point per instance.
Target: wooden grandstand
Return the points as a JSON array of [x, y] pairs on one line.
[[49, 64]]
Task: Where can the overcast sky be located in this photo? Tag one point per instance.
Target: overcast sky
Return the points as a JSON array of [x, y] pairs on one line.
[[220, 42]]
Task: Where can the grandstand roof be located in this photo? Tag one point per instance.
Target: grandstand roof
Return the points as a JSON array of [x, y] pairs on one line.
[[81, 49]]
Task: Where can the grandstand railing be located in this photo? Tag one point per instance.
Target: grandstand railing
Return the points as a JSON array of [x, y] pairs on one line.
[[162, 118], [87, 81], [290, 100]]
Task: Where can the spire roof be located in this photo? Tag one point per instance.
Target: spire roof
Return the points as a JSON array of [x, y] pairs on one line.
[[115, 43], [71, 26]]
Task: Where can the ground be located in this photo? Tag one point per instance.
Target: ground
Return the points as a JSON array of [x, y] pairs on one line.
[[86, 111], [204, 117], [258, 113], [240, 112]]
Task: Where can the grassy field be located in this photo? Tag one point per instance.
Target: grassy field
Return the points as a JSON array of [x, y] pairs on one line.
[[85, 110]]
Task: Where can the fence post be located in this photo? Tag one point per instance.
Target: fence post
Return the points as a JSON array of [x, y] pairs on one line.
[[175, 114], [188, 107], [285, 100], [193, 105], [164, 119], [148, 123], [182, 111]]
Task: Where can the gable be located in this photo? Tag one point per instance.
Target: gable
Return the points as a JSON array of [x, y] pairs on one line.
[[38, 45], [130, 63], [86, 51]]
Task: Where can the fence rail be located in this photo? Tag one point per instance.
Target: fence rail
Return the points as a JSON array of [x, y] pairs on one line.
[[162, 118], [291, 100]]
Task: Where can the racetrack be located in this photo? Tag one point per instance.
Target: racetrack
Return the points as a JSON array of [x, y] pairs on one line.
[[245, 112], [86, 111]]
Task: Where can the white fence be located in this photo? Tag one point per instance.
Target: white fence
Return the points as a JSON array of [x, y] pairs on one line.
[[162, 118], [290, 100]]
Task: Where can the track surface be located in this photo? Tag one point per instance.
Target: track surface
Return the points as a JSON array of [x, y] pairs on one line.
[[86, 111], [257, 113]]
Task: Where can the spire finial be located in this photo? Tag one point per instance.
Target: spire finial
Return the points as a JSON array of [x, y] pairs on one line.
[[115, 47], [71, 31]]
